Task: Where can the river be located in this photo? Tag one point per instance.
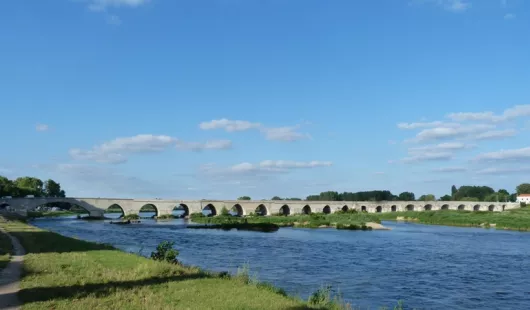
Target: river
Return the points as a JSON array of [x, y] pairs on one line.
[[428, 267]]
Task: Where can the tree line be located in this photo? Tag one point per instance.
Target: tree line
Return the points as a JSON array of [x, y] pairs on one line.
[[24, 186], [463, 193]]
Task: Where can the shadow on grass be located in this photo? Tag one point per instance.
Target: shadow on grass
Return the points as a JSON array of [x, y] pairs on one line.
[[49, 242], [98, 290]]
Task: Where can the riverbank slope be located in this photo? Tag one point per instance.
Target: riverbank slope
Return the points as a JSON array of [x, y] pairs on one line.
[[66, 273]]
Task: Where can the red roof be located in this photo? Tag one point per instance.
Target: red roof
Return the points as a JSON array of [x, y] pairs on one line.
[[524, 195]]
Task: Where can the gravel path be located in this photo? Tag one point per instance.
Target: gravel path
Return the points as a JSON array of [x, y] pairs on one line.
[[10, 277]]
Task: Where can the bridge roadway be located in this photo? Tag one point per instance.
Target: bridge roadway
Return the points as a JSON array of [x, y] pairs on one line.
[[97, 206]]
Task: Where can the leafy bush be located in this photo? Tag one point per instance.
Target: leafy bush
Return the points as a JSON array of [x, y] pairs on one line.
[[165, 252], [225, 212]]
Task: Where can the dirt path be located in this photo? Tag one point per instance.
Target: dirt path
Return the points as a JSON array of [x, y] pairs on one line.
[[10, 277]]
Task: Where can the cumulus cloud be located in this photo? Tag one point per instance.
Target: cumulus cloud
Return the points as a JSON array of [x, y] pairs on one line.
[[503, 171], [42, 127], [441, 147], [102, 5], [516, 155], [428, 156], [458, 132], [456, 6], [116, 151], [285, 134], [449, 169], [488, 116], [425, 125], [266, 166]]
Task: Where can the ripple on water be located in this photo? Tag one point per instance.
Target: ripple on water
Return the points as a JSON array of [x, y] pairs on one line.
[[429, 267]]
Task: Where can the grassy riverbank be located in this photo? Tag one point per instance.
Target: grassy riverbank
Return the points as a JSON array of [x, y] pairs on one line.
[[5, 250], [66, 273], [315, 220], [517, 219]]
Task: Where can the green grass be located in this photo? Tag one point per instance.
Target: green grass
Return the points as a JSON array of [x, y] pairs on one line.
[[6, 250], [66, 273], [517, 219], [314, 220]]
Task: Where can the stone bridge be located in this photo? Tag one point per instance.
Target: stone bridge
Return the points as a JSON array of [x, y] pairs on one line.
[[97, 206]]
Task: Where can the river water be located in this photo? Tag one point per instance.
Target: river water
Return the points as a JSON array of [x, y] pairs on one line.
[[429, 267]]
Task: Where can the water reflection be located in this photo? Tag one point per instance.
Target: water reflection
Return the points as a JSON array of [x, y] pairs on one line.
[[430, 267]]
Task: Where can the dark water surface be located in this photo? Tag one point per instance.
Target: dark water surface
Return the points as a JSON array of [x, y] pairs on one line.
[[429, 267]]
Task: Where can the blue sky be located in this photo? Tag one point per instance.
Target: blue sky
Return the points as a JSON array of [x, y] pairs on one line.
[[223, 98]]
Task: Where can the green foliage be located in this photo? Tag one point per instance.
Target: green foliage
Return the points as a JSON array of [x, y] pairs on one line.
[[197, 215], [406, 196], [276, 198], [321, 297], [523, 188], [225, 212], [429, 197], [454, 190], [478, 192], [358, 196], [244, 198], [446, 198], [24, 186], [165, 252], [6, 250], [131, 217]]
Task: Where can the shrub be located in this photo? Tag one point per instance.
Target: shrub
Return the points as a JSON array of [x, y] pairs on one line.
[[165, 252], [321, 297], [225, 212]]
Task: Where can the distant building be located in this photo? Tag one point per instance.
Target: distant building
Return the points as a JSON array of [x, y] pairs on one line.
[[523, 198]]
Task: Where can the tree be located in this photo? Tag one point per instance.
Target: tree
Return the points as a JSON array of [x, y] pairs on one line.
[[492, 197], [52, 189], [244, 198], [276, 198], [29, 186], [454, 190], [428, 197], [7, 187], [446, 198], [523, 188], [406, 196], [479, 192]]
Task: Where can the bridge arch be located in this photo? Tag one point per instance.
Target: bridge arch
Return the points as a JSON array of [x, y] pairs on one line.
[[326, 209], [306, 209], [209, 210], [409, 208], [445, 207], [363, 208], [393, 208], [116, 210], [379, 209], [237, 210], [428, 207], [285, 210], [461, 207], [476, 208], [345, 208], [181, 210], [148, 208], [261, 210], [491, 207]]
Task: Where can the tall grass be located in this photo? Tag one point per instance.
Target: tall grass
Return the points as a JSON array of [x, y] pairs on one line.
[[6, 249], [517, 219]]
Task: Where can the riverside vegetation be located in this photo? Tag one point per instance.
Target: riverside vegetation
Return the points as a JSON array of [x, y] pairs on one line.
[[62, 272], [6, 249]]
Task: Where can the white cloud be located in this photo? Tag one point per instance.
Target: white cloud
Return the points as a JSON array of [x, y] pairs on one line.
[[229, 125], [441, 133], [286, 134], [503, 171], [266, 166], [495, 134], [42, 127], [509, 16], [428, 156], [488, 116], [425, 125], [114, 20], [449, 169], [102, 5], [456, 6], [116, 151], [441, 147], [516, 155]]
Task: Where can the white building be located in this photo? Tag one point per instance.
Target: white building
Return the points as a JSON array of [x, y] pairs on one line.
[[523, 198]]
